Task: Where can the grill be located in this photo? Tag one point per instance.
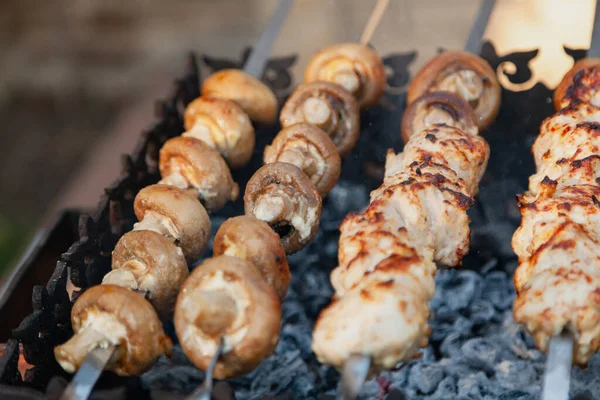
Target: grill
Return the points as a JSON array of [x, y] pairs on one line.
[[476, 350]]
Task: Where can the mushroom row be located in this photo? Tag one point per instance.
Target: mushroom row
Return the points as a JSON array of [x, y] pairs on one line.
[[236, 295], [173, 228], [321, 124]]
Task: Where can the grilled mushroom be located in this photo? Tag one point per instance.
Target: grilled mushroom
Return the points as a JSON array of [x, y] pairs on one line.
[[250, 239], [311, 150], [172, 212], [284, 197], [566, 92], [437, 108], [222, 125], [327, 106], [253, 96], [109, 314], [464, 74], [148, 261], [226, 297], [356, 67], [188, 163]]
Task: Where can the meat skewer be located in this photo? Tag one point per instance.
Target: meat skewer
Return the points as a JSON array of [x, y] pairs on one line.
[[415, 220], [187, 164], [557, 240]]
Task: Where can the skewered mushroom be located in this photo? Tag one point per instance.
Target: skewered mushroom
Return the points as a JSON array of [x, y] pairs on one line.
[[356, 67], [327, 106], [109, 314], [579, 84], [172, 212], [222, 125], [226, 297], [311, 150], [148, 261], [284, 197], [464, 74], [253, 96], [437, 108], [251, 239], [188, 163]]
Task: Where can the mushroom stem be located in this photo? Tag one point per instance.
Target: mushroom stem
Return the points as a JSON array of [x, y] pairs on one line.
[[206, 131], [71, 354], [317, 111], [158, 223], [273, 207], [348, 80], [121, 277], [175, 179], [465, 83], [217, 311], [299, 158]]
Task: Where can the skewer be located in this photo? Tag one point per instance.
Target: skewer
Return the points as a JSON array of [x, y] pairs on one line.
[[356, 368], [557, 376], [254, 66], [557, 373], [204, 391]]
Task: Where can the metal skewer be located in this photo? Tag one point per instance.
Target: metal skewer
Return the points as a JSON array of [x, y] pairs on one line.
[[356, 368], [557, 376], [204, 391]]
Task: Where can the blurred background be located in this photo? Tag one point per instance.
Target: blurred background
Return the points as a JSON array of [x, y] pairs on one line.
[[78, 79]]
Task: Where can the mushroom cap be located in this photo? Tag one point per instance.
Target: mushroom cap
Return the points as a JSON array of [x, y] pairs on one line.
[[145, 339], [181, 209], [299, 223], [328, 63], [346, 117], [253, 96], [223, 125], [251, 239], [157, 264], [253, 334], [563, 96], [448, 63], [203, 168], [438, 108], [310, 149]]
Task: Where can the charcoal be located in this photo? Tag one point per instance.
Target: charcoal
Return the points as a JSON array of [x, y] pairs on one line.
[[463, 326], [481, 353], [516, 395], [519, 373], [452, 344], [498, 291], [459, 290], [481, 312], [425, 378], [477, 386], [446, 389]]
